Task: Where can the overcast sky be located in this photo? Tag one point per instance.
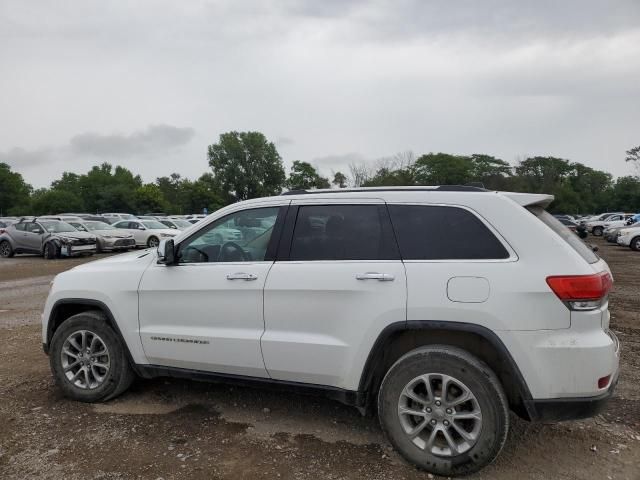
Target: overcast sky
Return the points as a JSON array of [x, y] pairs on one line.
[[149, 84]]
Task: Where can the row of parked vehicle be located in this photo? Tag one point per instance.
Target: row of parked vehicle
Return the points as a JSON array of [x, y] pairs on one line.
[[615, 227], [65, 235]]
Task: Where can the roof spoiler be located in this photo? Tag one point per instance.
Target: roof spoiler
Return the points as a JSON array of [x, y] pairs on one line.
[[530, 199]]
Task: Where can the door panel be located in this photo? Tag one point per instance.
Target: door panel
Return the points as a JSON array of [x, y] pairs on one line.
[[338, 283], [192, 316], [321, 321]]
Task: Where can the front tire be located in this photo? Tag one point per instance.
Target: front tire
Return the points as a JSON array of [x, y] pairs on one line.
[[6, 251], [88, 360], [635, 244], [597, 231], [153, 242], [51, 251], [455, 431]]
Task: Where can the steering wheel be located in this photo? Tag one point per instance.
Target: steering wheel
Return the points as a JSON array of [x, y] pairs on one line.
[[230, 250]]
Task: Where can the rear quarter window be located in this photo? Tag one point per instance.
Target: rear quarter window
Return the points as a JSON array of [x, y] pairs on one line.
[[571, 238], [432, 232]]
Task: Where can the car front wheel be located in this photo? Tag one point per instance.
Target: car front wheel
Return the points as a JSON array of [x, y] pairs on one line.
[[88, 360], [444, 410], [635, 244], [153, 242], [597, 231]]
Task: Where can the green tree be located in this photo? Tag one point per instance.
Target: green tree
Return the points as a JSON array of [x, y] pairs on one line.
[[304, 177], [443, 169], [247, 165], [492, 172], [148, 198], [14, 192], [626, 194], [340, 180], [51, 202]]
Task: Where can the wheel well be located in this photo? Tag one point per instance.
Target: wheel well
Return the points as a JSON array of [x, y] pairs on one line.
[[399, 342], [62, 312]]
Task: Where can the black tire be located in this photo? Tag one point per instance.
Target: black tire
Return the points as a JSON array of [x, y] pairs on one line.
[[153, 242], [481, 382], [51, 251], [6, 250], [597, 231], [120, 374], [635, 244]]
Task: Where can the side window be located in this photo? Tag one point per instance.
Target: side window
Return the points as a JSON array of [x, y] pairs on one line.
[[239, 237], [20, 227], [443, 233], [134, 225], [34, 227], [342, 232]]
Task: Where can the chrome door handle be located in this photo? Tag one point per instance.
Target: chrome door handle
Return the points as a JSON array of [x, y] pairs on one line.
[[241, 276], [382, 277]]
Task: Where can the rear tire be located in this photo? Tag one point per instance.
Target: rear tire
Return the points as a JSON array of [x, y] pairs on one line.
[[468, 434], [94, 381], [597, 231], [635, 244], [6, 251]]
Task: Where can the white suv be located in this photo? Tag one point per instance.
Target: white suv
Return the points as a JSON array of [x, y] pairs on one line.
[[440, 308]]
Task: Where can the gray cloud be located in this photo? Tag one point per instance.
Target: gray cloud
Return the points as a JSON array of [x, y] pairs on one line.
[[155, 139], [367, 76]]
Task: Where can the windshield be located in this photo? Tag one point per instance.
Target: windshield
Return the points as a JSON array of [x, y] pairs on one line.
[[57, 227], [154, 224], [98, 226], [570, 237], [182, 223]]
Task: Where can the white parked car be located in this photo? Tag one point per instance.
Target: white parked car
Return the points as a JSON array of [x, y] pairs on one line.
[[442, 308], [147, 233], [629, 237], [597, 227], [175, 223]]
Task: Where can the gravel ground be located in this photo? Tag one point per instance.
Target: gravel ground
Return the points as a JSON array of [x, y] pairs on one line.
[[179, 429]]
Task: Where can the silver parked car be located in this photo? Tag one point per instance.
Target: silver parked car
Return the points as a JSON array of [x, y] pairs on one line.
[[50, 238], [109, 238]]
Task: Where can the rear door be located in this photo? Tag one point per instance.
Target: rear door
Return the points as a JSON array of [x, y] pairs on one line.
[[336, 284]]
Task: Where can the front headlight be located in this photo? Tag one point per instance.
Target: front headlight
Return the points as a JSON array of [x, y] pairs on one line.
[[165, 235], [66, 239]]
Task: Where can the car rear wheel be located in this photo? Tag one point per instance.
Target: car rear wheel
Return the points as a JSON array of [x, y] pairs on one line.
[[88, 360], [153, 242], [6, 251], [597, 231], [635, 244], [444, 410]]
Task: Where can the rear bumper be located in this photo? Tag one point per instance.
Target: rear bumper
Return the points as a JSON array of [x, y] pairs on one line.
[[561, 409]]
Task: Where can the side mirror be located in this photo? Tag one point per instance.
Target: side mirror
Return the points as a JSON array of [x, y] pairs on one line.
[[36, 230], [167, 252], [173, 226], [141, 227]]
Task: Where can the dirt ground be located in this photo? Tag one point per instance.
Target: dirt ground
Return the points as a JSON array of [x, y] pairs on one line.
[[178, 429]]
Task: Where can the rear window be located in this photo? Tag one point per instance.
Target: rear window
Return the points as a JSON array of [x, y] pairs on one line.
[[570, 237], [443, 233]]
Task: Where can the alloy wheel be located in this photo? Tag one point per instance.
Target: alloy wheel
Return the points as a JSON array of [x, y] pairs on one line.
[[440, 414], [85, 359]]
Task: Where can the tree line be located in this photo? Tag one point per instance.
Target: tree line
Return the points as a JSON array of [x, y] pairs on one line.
[[246, 165]]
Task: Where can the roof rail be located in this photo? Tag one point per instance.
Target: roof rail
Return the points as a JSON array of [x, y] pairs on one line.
[[439, 188]]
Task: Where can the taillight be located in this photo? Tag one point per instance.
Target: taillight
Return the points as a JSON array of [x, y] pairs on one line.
[[581, 292]]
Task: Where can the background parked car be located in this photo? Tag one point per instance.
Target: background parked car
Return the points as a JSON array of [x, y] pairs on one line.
[[629, 237], [116, 217], [108, 237], [51, 238], [147, 233], [612, 228], [596, 227], [175, 223]]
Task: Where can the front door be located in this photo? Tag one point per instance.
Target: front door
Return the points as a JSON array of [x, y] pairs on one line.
[[328, 296], [32, 237], [206, 312]]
